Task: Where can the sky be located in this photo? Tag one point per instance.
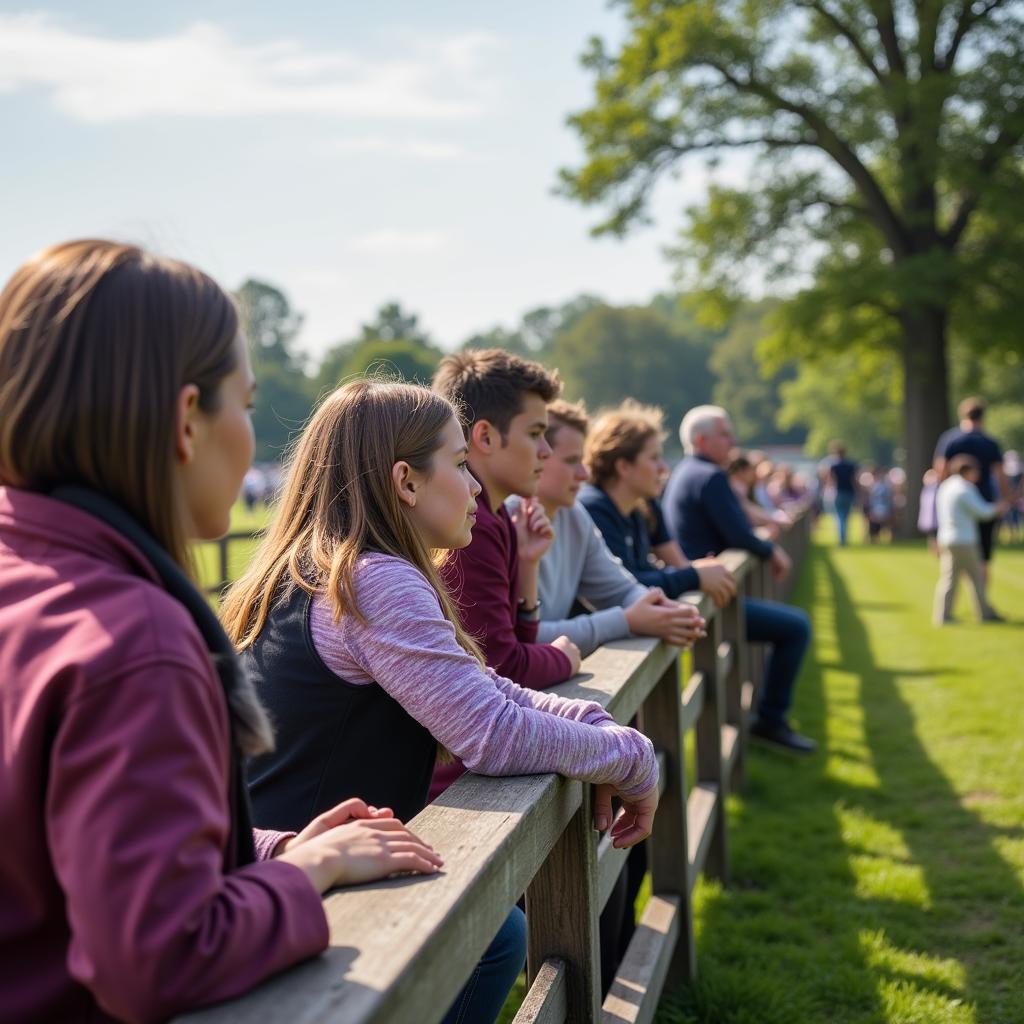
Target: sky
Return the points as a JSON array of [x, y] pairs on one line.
[[349, 153]]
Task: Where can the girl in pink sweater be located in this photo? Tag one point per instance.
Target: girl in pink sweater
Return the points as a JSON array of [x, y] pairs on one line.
[[356, 649]]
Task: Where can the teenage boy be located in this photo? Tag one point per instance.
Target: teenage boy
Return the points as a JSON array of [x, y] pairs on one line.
[[504, 402], [578, 567]]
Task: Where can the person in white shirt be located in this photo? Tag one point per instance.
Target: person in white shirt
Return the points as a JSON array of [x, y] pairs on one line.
[[959, 509]]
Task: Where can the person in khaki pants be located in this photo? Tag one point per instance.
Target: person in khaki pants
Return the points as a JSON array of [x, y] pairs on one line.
[[960, 507]]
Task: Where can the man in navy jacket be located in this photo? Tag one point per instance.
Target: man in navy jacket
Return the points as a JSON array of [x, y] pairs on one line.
[[704, 516]]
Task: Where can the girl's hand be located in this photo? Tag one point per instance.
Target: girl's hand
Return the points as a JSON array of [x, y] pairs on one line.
[[635, 819], [361, 850], [340, 814], [533, 530]]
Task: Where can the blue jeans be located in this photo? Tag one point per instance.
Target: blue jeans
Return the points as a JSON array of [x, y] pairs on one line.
[[841, 505], [788, 630], [485, 993]]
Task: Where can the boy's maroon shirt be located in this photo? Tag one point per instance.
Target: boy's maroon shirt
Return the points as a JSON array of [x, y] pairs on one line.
[[483, 579]]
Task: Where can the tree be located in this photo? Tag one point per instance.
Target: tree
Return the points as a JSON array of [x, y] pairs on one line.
[[393, 323], [408, 359], [284, 394], [270, 323], [610, 353], [392, 343], [886, 133], [854, 397], [746, 388]]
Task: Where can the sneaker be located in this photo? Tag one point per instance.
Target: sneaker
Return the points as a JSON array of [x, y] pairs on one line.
[[992, 616], [781, 737]]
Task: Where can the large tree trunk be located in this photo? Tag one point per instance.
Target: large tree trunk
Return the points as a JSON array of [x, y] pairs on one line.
[[925, 399]]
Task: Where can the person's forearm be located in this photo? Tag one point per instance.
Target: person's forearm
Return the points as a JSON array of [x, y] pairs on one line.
[[528, 572]]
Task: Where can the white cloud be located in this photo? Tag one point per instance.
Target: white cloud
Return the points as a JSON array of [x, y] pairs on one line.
[[202, 72], [396, 241]]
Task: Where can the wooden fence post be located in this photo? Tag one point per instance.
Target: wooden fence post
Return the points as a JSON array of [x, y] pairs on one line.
[[709, 745], [738, 679], [561, 915], [661, 720]]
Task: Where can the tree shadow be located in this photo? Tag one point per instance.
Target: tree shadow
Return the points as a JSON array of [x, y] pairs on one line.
[[792, 938], [908, 775]]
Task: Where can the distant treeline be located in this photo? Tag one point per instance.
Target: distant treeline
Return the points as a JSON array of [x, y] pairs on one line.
[[658, 353]]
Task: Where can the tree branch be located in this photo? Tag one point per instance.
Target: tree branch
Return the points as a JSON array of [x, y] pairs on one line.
[[827, 140], [885, 22], [771, 141], [1004, 143], [818, 6], [967, 20]]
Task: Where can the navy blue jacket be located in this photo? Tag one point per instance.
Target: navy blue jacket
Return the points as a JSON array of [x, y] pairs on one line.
[[703, 513], [629, 539]]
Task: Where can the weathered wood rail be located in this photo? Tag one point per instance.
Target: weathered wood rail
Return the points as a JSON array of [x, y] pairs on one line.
[[401, 950]]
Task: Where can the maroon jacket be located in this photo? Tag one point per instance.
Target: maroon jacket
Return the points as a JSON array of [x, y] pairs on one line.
[[484, 580], [114, 738]]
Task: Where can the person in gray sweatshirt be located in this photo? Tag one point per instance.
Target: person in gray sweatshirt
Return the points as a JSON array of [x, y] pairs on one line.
[[579, 573]]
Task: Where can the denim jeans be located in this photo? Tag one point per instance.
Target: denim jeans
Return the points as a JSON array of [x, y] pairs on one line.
[[788, 631], [841, 505], [481, 1000]]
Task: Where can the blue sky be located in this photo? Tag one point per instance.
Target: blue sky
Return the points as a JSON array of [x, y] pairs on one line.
[[349, 152]]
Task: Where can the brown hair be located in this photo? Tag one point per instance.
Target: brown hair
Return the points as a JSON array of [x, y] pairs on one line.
[[97, 339], [338, 502], [489, 385], [738, 462], [620, 433], [972, 409], [566, 414], [961, 465]]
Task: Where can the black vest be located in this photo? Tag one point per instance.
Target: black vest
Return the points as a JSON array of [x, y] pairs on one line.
[[334, 740]]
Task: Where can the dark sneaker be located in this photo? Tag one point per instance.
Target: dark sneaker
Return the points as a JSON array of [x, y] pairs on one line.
[[780, 736], [992, 616]]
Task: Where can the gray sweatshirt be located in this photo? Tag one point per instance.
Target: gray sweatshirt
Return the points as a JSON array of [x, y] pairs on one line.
[[579, 565]]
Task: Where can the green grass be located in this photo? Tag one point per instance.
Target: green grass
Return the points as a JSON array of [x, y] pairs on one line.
[[882, 880], [239, 552]]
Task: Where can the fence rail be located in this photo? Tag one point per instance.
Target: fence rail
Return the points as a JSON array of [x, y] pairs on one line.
[[401, 950]]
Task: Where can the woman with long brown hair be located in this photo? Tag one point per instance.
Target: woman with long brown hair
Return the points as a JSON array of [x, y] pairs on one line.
[[356, 649], [132, 886]]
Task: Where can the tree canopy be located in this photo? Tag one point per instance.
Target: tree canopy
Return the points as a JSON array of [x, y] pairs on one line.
[[886, 138]]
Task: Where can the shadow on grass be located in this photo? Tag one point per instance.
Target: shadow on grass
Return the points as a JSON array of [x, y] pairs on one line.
[[761, 954], [799, 935], [974, 894]]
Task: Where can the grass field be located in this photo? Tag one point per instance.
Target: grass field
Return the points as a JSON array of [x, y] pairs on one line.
[[882, 881]]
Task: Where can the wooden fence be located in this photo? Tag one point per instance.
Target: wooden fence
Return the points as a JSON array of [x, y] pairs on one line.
[[401, 950], [223, 547]]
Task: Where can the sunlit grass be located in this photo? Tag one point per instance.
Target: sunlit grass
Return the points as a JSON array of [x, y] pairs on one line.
[[882, 881]]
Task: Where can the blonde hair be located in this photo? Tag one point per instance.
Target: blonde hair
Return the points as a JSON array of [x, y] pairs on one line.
[[339, 502], [620, 433]]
